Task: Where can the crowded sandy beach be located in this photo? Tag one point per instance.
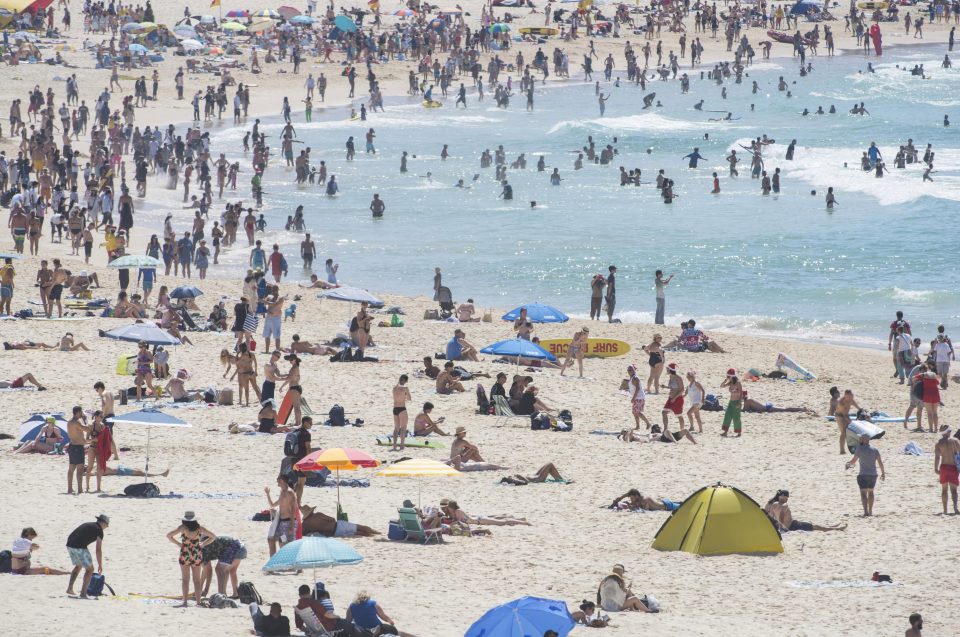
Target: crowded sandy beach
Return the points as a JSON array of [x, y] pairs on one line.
[[268, 370]]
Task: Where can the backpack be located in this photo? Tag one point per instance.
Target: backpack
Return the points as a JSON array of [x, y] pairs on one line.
[[97, 584], [540, 421], [142, 490], [566, 417], [711, 403], [291, 445], [651, 602], [483, 405], [248, 593], [337, 416], [6, 561]]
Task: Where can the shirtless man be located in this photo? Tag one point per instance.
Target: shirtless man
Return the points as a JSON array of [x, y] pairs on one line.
[[842, 414], [271, 374], [77, 432], [945, 454], [401, 396], [447, 383], [271, 322], [175, 387], [316, 282], [735, 404], [67, 344], [45, 281], [779, 510], [639, 502], [431, 370], [463, 451], [106, 406], [56, 287], [674, 399], [306, 347], [286, 513]]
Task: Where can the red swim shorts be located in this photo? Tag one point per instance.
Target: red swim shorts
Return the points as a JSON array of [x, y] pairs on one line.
[[948, 474], [638, 406], [675, 405]]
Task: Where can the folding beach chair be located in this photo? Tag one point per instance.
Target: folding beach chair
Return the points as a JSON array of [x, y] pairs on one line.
[[410, 522], [504, 413], [312, 625]]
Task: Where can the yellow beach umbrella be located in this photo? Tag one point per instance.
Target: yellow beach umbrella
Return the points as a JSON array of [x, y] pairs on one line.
[[233, 26], [261, 25], [418, 468]]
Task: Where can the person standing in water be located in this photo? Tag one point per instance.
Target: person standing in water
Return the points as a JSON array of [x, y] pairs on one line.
[[602, 100], [401, 396], [660, 283], [611, 292]]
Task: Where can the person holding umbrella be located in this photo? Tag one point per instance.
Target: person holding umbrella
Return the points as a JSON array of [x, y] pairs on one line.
[[193, 538]]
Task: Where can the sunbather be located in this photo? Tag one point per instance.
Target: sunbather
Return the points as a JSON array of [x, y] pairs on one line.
[[614, 593], [67, 344], [634, 501], [755, 406], [316, 522], [779, 511], [451, 511], [462, 450], [588, 615], [47, 438], [447, 382], [175, 387], [26, 345], [21, 381], [306, 347], [547, 472], [22, 552], [655, 435], [461, 465]]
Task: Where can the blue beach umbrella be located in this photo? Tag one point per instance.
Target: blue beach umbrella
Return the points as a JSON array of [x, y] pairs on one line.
[[345, 24], [524, 617], [302, 19], [537, 313], [520, 348], [313, 553], [499, 27], [138, 49], [135, 261], [147, 332], [149, 418], [10, 255], [804, 6], [186, 292], [30, 428]]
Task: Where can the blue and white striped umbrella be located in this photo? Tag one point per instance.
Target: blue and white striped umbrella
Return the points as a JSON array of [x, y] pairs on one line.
[[312, 552]]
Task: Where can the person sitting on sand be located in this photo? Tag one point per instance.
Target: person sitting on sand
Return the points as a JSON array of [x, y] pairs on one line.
[[368, 615], [465, 312], [178, 391], [218, 317], [779, 511], [462, 450], [632, 500], [267, 419], [450, 510], [589, 616], [423, 425], [22, 553], [26, 345], [306, 347], [614, 593], [459, 349], [21, 381], [656, 435], [755, 406], [530, 402], [125, 309], [447, 383], [47, 439], [67, 344], [273, 624], [547, 472], [694, 340], [315, 522]]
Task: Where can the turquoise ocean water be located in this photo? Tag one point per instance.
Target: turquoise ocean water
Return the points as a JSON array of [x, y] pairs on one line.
[[778, 265]]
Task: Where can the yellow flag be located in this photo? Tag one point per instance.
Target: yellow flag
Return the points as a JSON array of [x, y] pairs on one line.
[[584, 4], [214, 3]]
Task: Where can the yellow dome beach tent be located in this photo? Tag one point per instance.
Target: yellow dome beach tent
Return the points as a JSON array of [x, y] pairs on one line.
[[719, 520]]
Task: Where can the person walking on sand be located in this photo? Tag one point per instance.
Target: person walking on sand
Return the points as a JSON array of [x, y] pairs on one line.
[[284, 529], [694, 398], [655, 353], [660, 283], [931, 394], [637, 397], [945, 455], [193, 537], [577, 350], [845, 404], [916, 623], [401, 396], [77, 545], [734, 405], [869, 459], [674, 398]]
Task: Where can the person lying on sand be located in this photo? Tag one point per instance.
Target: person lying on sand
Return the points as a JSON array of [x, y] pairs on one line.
[[429, 369], [306, 347], [22, 553], [451, 511], [548, 471], [755, 406], [463, 465], [316, 522], [779, 511], [655, 435], [316, 282], [632, 500], [21, 381], [26, 345]]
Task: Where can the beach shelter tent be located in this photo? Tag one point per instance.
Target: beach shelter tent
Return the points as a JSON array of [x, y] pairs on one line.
[[30, 428], [718, 520], [537, 313]]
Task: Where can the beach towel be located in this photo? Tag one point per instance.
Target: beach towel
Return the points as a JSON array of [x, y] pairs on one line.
[[602, 432], [104, 448], [913, 449]]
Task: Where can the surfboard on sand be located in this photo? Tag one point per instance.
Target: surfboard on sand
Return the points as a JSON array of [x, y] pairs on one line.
[[286, 408], [785, 361], [411, 442], [596, 347], [538, 31]]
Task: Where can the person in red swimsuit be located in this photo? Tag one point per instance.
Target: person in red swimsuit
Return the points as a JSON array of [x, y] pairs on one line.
[[931, 395]]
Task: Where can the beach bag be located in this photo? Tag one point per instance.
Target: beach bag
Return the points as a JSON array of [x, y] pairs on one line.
[[219, 600], [395, 532], [97, 583], [711, 403], [6, 559], [142, 490], [291, 445], [337, 417], [248, 594], [225, 397], [250, 323], [651, 602], [210, 396], [540, 421]]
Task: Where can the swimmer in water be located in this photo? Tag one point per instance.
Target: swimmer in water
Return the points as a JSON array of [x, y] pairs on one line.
[[716, 185], [698, 106]]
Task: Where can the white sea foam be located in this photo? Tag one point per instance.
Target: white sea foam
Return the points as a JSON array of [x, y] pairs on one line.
[[645, 122]]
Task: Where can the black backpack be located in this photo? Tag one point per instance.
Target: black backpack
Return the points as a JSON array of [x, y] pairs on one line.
[[6, 561], [540, 421], [291, 445], [248, 593], [142, 490], [337, 416]]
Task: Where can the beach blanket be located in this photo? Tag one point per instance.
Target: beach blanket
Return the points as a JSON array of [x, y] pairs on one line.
[[853, 583], [602, 432], [345, 482], [913, 449], [190, 496]]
